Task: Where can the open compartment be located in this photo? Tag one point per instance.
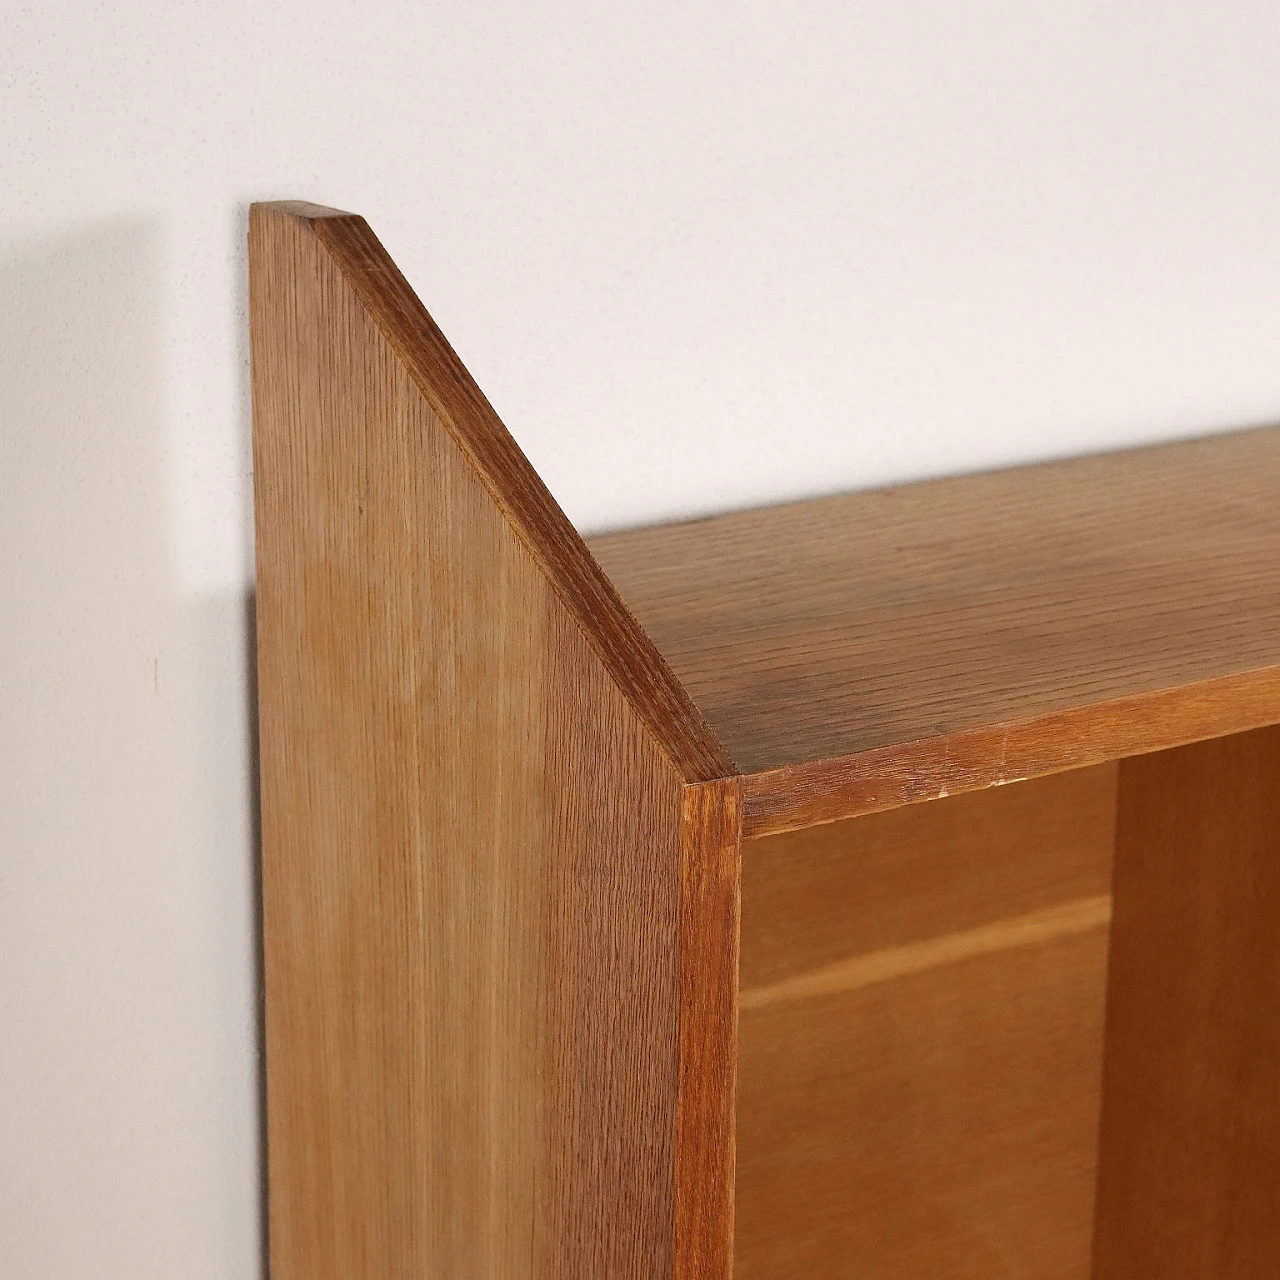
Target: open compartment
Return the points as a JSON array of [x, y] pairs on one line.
[[920, 1038]]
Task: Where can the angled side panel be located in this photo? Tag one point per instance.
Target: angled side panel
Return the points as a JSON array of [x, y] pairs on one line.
[[621, 644], [472, 846]]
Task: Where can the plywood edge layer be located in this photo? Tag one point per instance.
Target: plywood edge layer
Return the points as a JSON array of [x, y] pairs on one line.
[[819, 791], [630, 657]]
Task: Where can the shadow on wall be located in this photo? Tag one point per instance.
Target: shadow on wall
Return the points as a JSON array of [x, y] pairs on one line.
[[128, 937]]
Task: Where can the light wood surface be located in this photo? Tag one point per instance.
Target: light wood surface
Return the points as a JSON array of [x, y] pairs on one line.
[[921, 1038], [442, 380], [858, 652], [485, 887], [1189, 1179]]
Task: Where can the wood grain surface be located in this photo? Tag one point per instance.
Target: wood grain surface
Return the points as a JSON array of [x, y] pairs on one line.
[[863, 651], [482, 884], [921, 1038], [1189, 1177], [993, 755], [460, 406]]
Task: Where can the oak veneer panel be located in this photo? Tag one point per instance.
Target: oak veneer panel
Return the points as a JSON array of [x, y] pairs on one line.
[[938, 1126], [1189, 1179], [484, 884], [585, 593], [862, 651], [921, 1038]]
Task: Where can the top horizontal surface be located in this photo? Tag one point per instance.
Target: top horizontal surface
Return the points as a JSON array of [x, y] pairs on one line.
[[840, 625]]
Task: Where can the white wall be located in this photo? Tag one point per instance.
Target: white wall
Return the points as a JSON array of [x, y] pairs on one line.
[[699, 255]]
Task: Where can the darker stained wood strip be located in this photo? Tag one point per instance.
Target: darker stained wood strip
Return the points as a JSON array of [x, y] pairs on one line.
[[711, 828], [1189, 1162], [626, 650]]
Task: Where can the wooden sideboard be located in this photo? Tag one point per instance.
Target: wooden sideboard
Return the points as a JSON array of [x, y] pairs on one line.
[[884, 885]]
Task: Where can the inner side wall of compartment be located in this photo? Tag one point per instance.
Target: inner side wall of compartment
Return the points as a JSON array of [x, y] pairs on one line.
[[920, 1043]]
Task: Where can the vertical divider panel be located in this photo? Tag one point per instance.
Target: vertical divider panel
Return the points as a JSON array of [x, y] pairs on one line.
[[499, 872], [1189, 1161]]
